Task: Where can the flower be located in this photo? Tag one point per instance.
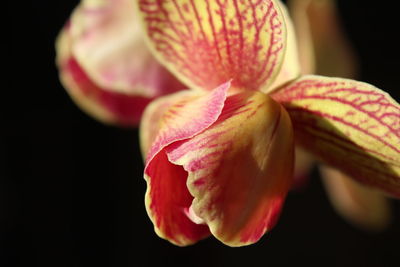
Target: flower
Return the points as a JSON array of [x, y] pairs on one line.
[[105, 64], [219, 161]]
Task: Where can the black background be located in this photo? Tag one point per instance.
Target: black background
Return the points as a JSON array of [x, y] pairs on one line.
[[73, 189]]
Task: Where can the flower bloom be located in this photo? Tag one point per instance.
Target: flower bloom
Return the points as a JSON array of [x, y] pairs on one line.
[[105, 64], [220, 156]]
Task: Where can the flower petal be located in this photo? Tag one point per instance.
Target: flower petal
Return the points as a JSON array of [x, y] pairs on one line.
[[104, 105], [167, 197], [240, 168], [351, 125], [302, 168], [290, 69], [206, 43], [323, 46], [153, 115], [108, 44], [359, 205]]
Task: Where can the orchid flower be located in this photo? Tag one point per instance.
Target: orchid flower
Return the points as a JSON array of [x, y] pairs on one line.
[[324, 49], [219, 157], [105, 64]]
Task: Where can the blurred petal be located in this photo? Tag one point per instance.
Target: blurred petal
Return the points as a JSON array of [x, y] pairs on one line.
[[240, 168], [361, 206], [302, 168], [104, 105], [167, 197], [206, 43], [350, 125], [108, 44], [299, 14], [290, 69], [323, 46]]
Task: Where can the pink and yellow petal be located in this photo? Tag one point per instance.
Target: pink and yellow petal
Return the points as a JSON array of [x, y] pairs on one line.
[[104, 105], [240, 168], [194, 112], [361, 206], [290, 69], [150, 123], [205, 43], [350, 125], [108, 44], [167, 197]]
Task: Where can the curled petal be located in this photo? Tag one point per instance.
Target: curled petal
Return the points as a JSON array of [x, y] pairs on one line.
[[108, 44], [350, 125], [104, 105], [152, 117], [167, 198], [206, 43], [361, 206], [227, 172], [240, 168]]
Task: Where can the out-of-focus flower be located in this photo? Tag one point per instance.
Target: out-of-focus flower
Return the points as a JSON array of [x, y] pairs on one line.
[[324, 50], [219, 161], [105, 64]]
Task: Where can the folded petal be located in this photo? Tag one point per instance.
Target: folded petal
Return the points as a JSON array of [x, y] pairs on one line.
[[240, 168], [350, 125], [150, 123], [105, 105], [206, 43], [167, 197], [108, 44], [361, 206]]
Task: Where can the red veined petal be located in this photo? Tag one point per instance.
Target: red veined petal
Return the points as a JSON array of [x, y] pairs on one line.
[[105, 105], [290, 69], [240, 168], [350, 125], [108, 44], [151, 120], [361, 206], [189, 116], [167, 197], [205, 43]]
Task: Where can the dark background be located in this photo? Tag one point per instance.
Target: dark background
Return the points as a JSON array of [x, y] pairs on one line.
[[73, 189]]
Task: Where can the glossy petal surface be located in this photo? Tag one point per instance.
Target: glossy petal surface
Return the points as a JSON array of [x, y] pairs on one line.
[[206, 43], [351, 125], [167, 197], [240, 168], [108, 44]]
